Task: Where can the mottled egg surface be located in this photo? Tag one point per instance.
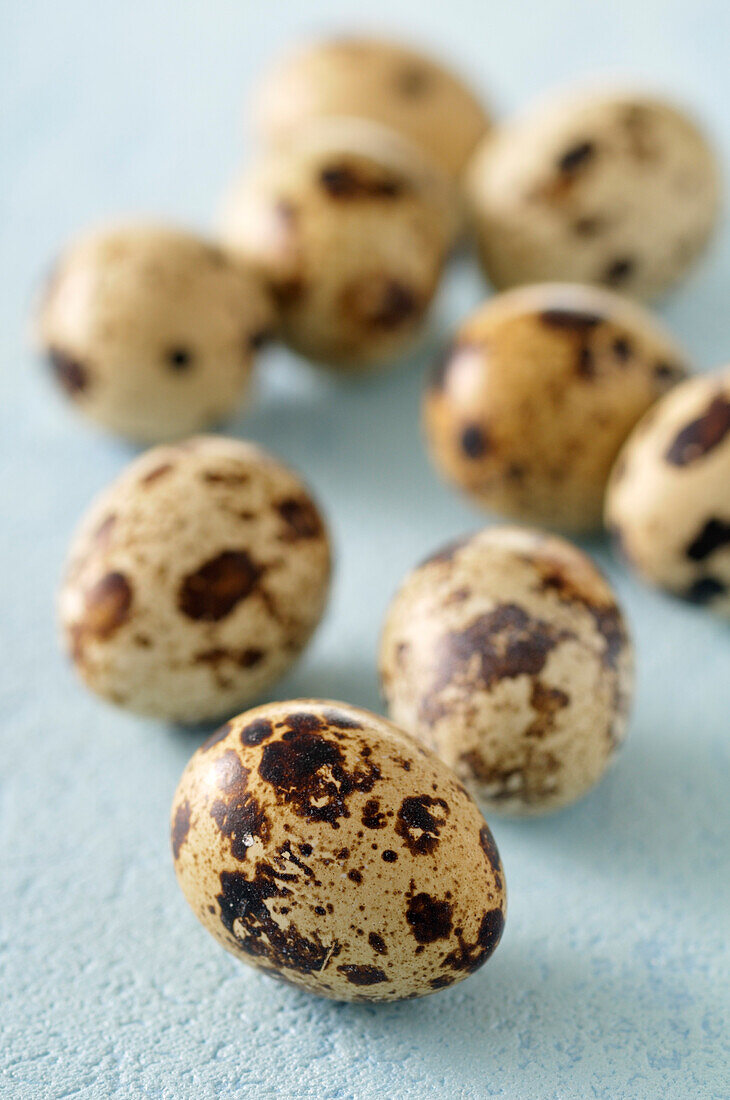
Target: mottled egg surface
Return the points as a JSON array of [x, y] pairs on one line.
[[151, 332], [668, 500], [350, 228], [508, 654], [194, 580], [616, 188], [537, 392], [377, 80], [319, 842]]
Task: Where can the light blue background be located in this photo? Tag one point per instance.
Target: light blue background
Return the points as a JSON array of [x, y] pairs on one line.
[[612, 979]]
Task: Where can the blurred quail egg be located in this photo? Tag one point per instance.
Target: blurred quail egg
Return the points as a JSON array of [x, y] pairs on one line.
[[321, 844], [194, 580], [668, 499], [377, 80], [151, 331], [350, 229], [537, 392], [616, 188], [508, 654]]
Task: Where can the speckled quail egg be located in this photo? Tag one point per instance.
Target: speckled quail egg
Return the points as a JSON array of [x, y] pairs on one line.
[[152, 331], [194, 580], [668, 499], [607, 187], [508, 654], [377, 80], [536, 394], [350, 229], [320, 843]]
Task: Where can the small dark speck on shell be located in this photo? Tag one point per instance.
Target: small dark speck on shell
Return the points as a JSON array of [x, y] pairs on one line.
[[618, 271], [474, 441], [179, 359], [301, 518], [70, 372], [714, 536], [577, 156]]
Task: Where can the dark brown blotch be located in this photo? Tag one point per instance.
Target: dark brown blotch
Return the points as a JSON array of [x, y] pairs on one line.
[[180, 827], [702, 435], [489, 847], [348, 181], [474, 441], [257, 731], [212, 591], [419, 821], [578, 156], [301, 518], [618, 271], [372, 816], [363, 975], [179, 359], [714, 535], [246, 916], [380, 302], [308, 773], [571, 320], [107, 606], [429, 918], [377, 943], [705, 590], [70, 372]]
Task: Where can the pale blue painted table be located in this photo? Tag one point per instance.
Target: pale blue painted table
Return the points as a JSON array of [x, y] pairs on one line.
[[612, 979]]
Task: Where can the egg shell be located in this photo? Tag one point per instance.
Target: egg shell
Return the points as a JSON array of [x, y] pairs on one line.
[[350, 228], [508, 655], [374, 79], [194, 580], [320, 843], [668, 500], [604, 186], [535, 395], [150, 331]]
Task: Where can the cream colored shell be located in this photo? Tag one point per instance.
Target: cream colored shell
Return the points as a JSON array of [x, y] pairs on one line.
[[350, 229], [668, 500], [194, 580], [152, 331], [536, 394], [377, 80], [508, 655], [320, 843], [610, 187]]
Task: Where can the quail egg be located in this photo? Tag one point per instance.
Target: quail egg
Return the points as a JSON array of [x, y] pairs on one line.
[[321, 844], [508, 654], [616, 188], [194, 580], [152, 332], [350, 229], [536, 394], [377, 80], [668, 499]]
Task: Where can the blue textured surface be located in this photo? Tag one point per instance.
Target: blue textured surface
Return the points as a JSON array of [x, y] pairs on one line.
[[612, 979]]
